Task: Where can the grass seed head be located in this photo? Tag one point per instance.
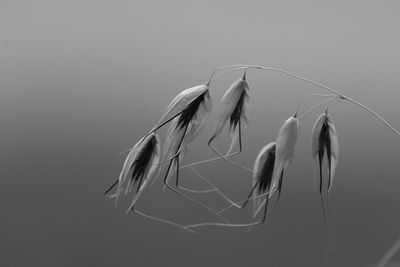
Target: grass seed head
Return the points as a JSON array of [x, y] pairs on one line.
[[262, 174], [187, 126], [141, 162], [285, 146], [233, 107], [324, 141], [180, 102]]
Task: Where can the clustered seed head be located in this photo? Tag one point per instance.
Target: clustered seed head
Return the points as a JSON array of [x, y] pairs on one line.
[[187, 114]]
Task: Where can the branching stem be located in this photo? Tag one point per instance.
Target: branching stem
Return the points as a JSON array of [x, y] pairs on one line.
[[326, 88]]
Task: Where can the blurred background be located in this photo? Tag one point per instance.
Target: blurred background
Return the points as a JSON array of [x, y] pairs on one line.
[[81, 81]]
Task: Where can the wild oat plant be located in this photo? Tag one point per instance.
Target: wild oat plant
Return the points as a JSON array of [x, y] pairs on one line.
[[187, 114]]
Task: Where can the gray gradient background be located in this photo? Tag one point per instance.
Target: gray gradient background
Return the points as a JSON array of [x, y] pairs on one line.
[[83, 80]]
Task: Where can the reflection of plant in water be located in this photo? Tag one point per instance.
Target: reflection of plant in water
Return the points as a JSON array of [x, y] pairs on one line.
[[187, 114]]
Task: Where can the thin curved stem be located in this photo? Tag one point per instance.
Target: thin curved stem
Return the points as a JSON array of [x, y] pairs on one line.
[[389, 254], [252, 224], [214, 187], [318, 105], [223, 224], [375, 114], [192, 164], [228, 160], [300, 78], [228, 71], [166, 179], [204, 191], [326, 88], [220, 68], [294, 76], [198, 203], [327, 107], [207, 160], [163, 221], [308, 96], [133, 209], [247, 199]]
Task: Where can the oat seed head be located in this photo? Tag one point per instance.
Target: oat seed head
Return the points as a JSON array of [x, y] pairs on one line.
[[262, 174], [233, 107], [179, 103], [187, 126], [285, 146], [324, 141], [141, 161]]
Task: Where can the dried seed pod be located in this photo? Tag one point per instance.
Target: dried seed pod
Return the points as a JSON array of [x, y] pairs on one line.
[[185, 128], [141, 162], [324, 141], [285, 146], [262, 175], [179, 104], [233, 107]]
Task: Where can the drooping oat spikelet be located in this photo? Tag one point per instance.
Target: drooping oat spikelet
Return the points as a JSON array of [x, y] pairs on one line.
[[179, 104], [271, 163], [324, 142], [141, 162], [262, 175], [144, 167], [233, 107], [183, 130], [186, 127], [285, 146], [174, 145]]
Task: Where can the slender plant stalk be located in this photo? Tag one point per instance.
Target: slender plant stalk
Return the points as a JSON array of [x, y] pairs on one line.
[[227, 72], [222, 224], [247, 199], [389, 254], [327, 101], [375, 114], [214, 187], [311, 95], [206, 161], [163, 221], [237, 66], [326, 88], [228, 160]]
